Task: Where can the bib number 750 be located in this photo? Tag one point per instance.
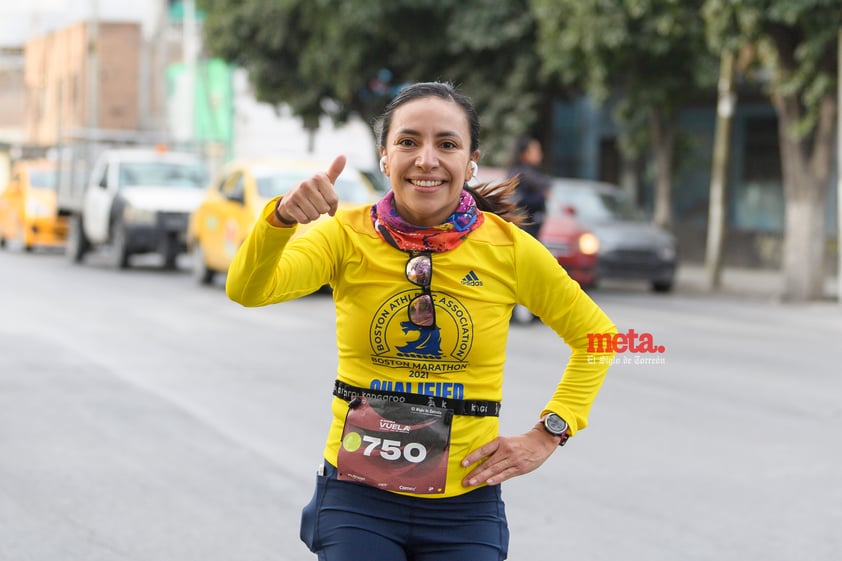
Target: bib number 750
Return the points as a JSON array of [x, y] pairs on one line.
[[414, 452]]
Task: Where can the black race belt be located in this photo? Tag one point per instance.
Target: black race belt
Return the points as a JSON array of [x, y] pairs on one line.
[[469, 407]]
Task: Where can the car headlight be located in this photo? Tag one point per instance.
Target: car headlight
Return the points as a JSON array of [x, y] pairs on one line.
[[139, 216], [588, 244], [36, 208]]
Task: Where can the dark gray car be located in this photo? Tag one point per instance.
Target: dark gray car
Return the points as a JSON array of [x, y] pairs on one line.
[[630, 246]]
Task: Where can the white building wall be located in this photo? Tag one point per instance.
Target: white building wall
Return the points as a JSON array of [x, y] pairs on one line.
[[260, 132]]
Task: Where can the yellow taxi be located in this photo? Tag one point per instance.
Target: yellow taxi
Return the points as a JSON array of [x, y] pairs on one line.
[[238, 194], [28, 214]]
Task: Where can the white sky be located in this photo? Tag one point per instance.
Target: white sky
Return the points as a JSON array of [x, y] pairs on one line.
[[22, 19]]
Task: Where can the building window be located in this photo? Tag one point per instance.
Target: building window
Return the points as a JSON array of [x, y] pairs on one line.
[[759, 197], [762, 160]]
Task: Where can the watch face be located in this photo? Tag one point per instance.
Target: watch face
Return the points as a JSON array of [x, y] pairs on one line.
[[555, 424]]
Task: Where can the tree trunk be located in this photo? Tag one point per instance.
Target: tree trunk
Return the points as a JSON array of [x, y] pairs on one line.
[[663, 138], [806, 161], [806, 172], [719, 173]]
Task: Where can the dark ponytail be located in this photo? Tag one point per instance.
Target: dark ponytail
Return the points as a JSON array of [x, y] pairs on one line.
[[499, 198]]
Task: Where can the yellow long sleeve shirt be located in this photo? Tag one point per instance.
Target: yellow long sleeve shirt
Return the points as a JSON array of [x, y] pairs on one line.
[[475, 287]]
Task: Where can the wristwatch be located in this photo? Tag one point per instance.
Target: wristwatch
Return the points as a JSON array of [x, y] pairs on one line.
[[556, 426]]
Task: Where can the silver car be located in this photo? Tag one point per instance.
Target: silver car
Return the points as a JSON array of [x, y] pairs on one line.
[[630, 247]]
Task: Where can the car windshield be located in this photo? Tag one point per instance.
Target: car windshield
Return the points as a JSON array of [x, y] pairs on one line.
[[593, 205], [349, 188], [42, 178], [162, 174]]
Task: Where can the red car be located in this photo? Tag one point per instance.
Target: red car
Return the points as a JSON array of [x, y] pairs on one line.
[[574, 246]]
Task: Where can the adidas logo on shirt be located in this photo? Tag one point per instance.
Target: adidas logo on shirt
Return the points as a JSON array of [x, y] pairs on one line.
[[471, 279]]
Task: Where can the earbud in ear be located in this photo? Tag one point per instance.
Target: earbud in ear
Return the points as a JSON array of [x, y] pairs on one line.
[[383, 165]]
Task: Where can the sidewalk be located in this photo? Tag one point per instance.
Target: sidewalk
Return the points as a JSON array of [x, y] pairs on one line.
[[758, 283]]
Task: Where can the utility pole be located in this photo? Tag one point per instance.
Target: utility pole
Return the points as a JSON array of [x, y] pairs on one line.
[[93, 67], [719, 175], [191, 55], [839, 170]]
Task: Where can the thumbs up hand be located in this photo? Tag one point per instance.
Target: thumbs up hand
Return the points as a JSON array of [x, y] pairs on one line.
[[311, 198]]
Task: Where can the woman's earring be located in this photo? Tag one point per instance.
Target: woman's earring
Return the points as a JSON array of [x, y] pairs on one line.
[[383, 165], [474, 168]]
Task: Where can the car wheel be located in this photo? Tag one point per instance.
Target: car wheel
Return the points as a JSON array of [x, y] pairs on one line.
[[119, 247], [201, 272], [662, 286], [170, 255], [27, 247], [521, 315], [77, 244]]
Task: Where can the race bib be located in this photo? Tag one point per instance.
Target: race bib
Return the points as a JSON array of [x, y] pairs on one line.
[[395, 446]]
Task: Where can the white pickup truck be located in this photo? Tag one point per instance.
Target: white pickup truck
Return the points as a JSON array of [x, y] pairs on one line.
[[136, 201]]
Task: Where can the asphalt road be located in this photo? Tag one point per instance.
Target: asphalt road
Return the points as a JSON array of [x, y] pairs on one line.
[[145, 418]]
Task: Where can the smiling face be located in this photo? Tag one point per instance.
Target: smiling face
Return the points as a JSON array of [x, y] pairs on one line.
[[428, 155]]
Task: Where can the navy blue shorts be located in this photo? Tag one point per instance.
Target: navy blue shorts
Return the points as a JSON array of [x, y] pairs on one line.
[[347, 521]]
